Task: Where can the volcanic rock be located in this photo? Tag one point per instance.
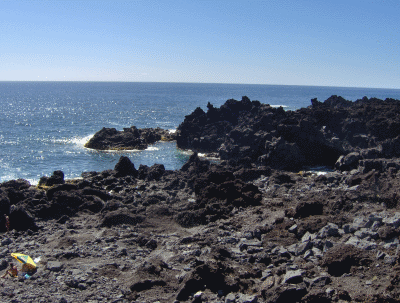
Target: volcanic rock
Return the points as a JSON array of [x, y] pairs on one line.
[[236, 230], [125, 167], [56, 178], [317, 135], [128, 139]]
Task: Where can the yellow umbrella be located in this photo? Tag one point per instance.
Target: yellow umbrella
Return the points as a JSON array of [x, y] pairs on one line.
[[24, 259]]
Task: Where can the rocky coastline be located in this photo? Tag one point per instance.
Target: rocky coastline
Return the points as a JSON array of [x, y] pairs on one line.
[[259, 226]]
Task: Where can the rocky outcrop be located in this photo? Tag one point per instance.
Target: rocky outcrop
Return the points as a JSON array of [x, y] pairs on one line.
[[317, 135], [56, 178], [128, 139]]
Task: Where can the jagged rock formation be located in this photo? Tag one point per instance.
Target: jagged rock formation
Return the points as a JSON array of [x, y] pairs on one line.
[[128, 139], [317, 135]]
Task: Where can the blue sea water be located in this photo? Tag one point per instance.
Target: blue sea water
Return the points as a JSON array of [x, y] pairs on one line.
[[44, 125]]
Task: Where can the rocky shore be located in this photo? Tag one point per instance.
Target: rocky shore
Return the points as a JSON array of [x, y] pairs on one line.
[[257, 227]]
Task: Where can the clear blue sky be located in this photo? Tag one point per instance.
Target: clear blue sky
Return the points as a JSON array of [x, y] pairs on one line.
[[294, 42]]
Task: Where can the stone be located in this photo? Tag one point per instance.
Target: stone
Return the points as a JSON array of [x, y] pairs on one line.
[[348, 162], [366, 233], [129, 139], [374, 219], [198, 295], [327, 245], [125, 167], [359, 222], [308, 254], [293, 277], [390, 259], [330, 291], [244, 298], [245, 243], [268, 283], [349, 228], [317, 253], [230, 298], [362, 244], [329, 230], [320, 281], [391, 243], [55, 266], [21, 219], [308, 237], [6, 241], [392, 220], [56, 178], [285, 293], [302, 247], [280, 251], [293, 229]]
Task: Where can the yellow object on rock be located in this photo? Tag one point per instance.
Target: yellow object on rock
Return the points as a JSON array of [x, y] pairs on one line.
[[25, 259]]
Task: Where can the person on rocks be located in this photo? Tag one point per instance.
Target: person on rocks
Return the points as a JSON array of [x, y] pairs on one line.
[[26, 269], [12, 271]]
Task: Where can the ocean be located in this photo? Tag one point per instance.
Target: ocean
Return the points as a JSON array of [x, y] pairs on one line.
[[44, 125]]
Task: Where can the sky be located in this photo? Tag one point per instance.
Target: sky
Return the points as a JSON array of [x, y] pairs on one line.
[[352, 43]]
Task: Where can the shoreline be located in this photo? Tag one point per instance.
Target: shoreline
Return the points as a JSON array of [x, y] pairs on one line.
[[235, 230]]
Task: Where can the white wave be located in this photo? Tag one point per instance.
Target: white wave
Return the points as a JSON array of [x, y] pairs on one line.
[[151, 148], [75, 140], [185, 151], [114, 151], [10, 142], [33, 182], [81, 140], [278, 105], [206, 156], [9, 177], [319, 170], [75, 178], [172, 131]]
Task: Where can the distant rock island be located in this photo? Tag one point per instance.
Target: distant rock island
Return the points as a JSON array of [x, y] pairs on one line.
[[128, 139]]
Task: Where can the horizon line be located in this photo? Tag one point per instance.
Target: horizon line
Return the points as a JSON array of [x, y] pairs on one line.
[[174, 82]]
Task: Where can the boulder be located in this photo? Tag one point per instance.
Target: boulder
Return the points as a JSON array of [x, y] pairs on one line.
[[125, 167], [129, 139], [21, 219], [155, 172], [348, 162], [111, 139], [56, 178]]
